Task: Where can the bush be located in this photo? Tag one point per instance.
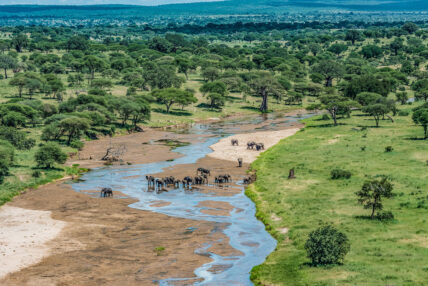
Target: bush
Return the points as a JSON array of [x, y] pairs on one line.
[[49, 154], [36, 174], [340, 174], [385, 215], [325, 117], [17, 138], [326, 245], [389, 149], [403, 113], [7, 155], [77, 144]]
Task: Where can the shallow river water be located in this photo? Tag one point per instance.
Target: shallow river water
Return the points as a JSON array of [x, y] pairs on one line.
[[245, 232]]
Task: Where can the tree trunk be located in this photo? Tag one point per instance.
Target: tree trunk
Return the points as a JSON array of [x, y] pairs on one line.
[[373, 210], [328, 82], [264, 106], [426, 132], [5, 73]]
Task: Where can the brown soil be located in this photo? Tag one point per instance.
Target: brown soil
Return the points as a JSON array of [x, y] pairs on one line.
[[106, 242]]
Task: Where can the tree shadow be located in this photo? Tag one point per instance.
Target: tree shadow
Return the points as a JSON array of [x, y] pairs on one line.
[[253, 108], [327, 125], [375, 219], [176, 112], [207, 107], [416, 139]]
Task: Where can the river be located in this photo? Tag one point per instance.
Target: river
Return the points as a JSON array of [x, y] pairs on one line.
[[246, 233]]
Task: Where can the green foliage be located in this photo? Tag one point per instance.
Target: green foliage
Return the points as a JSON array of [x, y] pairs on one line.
[[49, 154], [77, 144], [7, 155], [17, 138], [170, 96], [340, 174], [327, 245], [420, 116], [372, 192], [216, 100]]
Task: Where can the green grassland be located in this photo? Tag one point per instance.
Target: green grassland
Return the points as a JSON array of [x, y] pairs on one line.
[[382, 253]]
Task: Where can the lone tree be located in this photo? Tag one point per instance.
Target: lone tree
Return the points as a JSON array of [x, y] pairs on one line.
[[372, 193], [49, 154], [376, 110], [335, 105], [420, 116], [327, 245]]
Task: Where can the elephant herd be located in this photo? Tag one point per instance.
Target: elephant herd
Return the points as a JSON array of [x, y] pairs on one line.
[[201, 178], [258, 146], [250, 145]]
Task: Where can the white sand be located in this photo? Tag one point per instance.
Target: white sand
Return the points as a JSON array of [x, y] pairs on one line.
[[23, 237], [225, 151]]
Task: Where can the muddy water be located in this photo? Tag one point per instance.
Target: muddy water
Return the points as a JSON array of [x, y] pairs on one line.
[[246, 233]]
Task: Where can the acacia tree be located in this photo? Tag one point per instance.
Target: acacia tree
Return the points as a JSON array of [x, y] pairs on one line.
[[170, 96], [372, 193], [335, 105], [19, 80], [7, 62], [330, 70], [353, 35], [93, 64], [73, 127], [420, 116], [265, 85], [377, 110], [19, 42]]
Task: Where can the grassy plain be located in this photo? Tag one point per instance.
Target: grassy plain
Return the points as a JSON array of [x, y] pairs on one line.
[[382, 253]]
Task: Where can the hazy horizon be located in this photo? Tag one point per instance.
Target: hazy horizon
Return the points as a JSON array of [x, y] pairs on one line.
[[101, 2]]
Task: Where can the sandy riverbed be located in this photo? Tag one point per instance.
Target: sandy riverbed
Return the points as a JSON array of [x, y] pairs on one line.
[[224, 150], [24, 235]]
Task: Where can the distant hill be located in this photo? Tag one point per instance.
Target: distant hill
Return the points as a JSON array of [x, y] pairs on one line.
[[239, 10], [216, 7]]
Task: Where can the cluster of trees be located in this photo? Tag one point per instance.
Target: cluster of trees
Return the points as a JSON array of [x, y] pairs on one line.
[[63, 77]]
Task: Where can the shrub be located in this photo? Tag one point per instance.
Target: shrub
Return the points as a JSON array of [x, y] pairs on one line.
[[77, 144], [326, 245], [340, 174], [36, 174], [363, 148], [325, 117], [389, 149], [49, 154], [403, 113], [387, 215]]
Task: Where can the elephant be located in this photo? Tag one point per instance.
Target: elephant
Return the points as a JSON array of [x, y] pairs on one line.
[[203, 171], [106, 192]]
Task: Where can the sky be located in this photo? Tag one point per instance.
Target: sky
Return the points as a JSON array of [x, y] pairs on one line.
[[97, 2]]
